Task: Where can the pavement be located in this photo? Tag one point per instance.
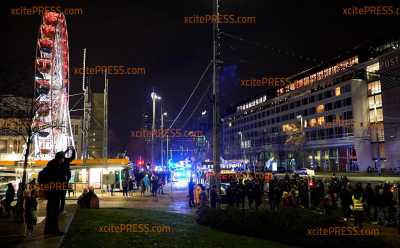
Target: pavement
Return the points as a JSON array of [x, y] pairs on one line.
[[12, 233], [175, 202]]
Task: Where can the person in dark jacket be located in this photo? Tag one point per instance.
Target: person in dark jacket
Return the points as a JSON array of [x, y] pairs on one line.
[[346, 200], [257, 196], [125, 185], [191, 193], [66, 173], [213, 196], [369, 200], [48, 178], [10, 194], [30, 208]]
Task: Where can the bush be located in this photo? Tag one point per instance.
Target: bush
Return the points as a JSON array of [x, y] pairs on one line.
[[288, 226]]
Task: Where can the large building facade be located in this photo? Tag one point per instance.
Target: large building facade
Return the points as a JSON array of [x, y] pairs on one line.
[[341, 117]]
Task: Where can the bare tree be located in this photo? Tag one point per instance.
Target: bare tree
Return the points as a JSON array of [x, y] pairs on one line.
[[19, 114]]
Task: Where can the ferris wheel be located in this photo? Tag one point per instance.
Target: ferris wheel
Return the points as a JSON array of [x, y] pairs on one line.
[[52, 119]]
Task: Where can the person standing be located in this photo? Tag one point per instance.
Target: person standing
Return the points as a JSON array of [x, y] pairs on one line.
[[154, 185], [66, 171], [203, 197], [130, 186], [48, 177], [358, 208], [213, 196], [10, 194], [125, 184], [191, 193], [30, 208], [146, 182], [257, 195], [345, 200], [197, 192], [369, 199]]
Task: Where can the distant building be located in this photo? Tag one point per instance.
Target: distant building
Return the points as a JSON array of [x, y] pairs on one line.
[[343, 116], [96, 126], [76, 124]]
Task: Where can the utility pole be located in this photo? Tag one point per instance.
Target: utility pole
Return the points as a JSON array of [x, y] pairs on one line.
[[105, 124], [162, 135], [85, 111], [153, 126], [154, 97], [216, 113]]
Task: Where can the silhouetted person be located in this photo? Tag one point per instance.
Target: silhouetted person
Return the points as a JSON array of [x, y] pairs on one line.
[[66, 171], [213, 196], [10, 194], [48, 178], [191, 193]]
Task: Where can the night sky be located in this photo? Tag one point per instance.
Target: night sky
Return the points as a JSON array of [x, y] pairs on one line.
[[152, 34]]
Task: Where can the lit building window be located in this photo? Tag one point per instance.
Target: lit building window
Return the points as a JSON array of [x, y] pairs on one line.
[[337, 91], [320, 108], [374, 88], [312, 122], [379, 115], [375, 101], [371, 70], [289, 127], [373, 67], [376, 115], [321, 120], [372, 116]]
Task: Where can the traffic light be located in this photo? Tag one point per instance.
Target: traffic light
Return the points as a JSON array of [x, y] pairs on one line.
[[140, 162]]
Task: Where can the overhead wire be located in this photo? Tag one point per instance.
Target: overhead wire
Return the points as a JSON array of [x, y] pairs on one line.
[[197, 105], [193, 91]]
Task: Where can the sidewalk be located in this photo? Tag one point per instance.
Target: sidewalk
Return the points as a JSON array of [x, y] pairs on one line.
[[12, 233]]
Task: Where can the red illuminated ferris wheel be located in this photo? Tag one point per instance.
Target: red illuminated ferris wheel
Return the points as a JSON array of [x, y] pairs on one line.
[[52, 88]]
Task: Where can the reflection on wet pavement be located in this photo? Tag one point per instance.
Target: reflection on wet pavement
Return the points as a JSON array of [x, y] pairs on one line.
[[177, 202]]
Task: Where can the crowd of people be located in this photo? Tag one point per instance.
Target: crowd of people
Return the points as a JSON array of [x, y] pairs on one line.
[[376, 203]]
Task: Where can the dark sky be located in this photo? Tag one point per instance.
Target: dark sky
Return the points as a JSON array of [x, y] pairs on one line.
[[152, 34]]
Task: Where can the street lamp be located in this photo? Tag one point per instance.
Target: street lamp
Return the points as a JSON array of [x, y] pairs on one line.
[[162, 137], [154, 97]]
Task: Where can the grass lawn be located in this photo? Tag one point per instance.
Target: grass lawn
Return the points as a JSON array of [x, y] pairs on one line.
[[187, 233]]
